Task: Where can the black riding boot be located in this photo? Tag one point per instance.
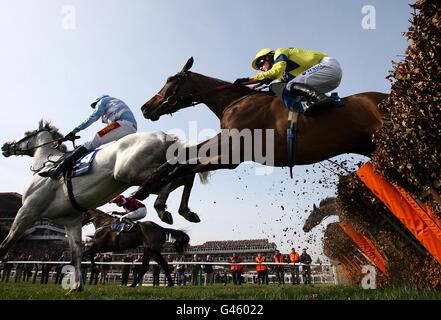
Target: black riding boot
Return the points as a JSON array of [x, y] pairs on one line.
[[317, 98], [70, 159]]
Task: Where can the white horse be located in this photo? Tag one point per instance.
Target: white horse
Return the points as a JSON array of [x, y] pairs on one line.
[[118, 166]]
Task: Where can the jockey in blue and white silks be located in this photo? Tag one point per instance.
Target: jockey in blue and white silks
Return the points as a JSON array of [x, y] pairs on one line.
[[120, 122], [116, 114]]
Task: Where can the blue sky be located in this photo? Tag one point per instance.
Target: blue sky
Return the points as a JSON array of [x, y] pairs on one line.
[[128, 48]]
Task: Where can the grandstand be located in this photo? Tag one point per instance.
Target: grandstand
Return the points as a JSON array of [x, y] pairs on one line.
[[220, 250], [41, 238]]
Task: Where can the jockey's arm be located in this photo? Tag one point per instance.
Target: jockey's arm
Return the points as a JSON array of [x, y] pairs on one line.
[[99, 111], [274, 73]]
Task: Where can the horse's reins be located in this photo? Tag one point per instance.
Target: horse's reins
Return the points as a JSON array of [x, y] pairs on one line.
[[172, 100], [59, 140], [15, 143]]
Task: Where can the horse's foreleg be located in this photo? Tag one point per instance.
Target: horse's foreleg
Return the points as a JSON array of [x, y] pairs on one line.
[[164, 265], [22, 221], [145, 266], [184, 210], [160, 204], [74, 235]]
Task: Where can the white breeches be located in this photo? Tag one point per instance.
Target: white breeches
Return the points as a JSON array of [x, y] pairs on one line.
[[114, 131], [323, 77], [138, 214]]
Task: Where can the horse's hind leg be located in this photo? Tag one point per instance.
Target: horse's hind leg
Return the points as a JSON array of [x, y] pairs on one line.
[[164, 265], [145, 266], [22, 221], [160, 204], [90, 252], [184, 210], [153, 182]]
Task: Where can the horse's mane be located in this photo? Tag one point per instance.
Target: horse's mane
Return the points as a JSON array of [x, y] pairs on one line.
[[327, 201], [43, 124]]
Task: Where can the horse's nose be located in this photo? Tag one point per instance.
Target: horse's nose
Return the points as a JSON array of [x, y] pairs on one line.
[[5, 147], [144, 106], [148, 111]]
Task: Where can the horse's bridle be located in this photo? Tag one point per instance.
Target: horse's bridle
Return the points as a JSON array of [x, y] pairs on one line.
[[195, 98], [13, 146], [173, 99]]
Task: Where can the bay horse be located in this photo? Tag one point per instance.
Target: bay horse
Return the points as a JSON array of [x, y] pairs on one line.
[[338, 130], [147, 234], [326, 208], [118, 166]]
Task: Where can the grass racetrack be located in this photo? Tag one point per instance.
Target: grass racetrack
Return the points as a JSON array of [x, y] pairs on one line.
[[29, 291]]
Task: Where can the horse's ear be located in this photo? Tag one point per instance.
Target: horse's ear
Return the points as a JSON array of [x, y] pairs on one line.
[[314, 206], [188, 65]]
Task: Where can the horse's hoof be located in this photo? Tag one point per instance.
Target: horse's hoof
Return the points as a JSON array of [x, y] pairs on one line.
[[166, 217], [140, 194], [191, 216], [75, 289], [170, 284]]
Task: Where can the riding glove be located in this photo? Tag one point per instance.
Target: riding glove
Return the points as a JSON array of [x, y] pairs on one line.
[[241, 80], [70, 136]]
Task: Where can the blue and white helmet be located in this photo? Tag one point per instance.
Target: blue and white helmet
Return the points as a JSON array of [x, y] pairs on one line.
[[94, 103]]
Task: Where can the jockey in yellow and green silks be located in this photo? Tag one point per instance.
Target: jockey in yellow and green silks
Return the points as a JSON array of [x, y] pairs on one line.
[[288, 63], [307, 73]]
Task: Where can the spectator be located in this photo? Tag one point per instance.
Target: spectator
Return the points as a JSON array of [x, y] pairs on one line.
[[180, 273], [305, 258], [195, 271], [19, 268], [225, 276], [126, 269], [279, 269], [236, 270], [105, 269], [28, 269], [171, 268], [59, 268], [7, 267], [35, 270], [208, 269], [45, 269], [294, 258], [262, 270]]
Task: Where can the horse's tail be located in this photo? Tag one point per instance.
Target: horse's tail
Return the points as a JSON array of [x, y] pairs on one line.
[[204, 177], [179, 238]]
